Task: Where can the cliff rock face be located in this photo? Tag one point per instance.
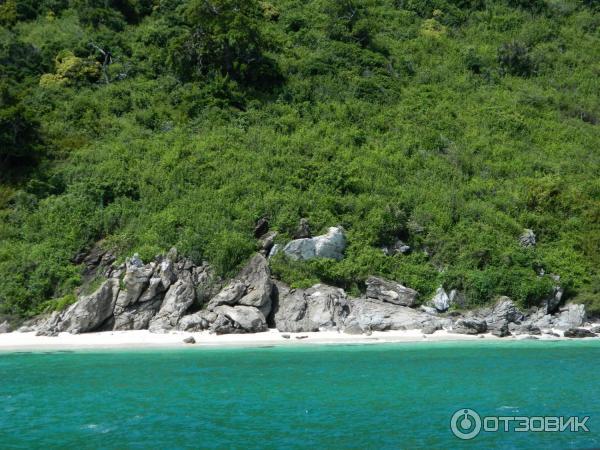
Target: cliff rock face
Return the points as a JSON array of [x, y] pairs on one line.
[[138, 296], [174, 293], [318, 308], [390, 291]]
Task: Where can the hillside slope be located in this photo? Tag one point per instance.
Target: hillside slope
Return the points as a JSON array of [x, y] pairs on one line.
[[451, 125]]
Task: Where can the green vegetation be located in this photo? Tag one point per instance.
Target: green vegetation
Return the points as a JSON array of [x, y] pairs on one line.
[[450, 124]]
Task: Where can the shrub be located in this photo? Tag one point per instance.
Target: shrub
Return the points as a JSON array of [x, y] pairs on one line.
[[515, 59]]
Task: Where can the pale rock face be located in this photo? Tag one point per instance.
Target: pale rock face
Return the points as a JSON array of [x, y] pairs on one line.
[[252, 287], [88, 313], [318, 308], [572, 316], [247, 318], [469, 326], [330, 245], [178, 299], [390, 291], [440, 300]]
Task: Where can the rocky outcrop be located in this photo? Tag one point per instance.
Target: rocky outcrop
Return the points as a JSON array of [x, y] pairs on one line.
[[198, 321], [242, 319], [252, 287], [469, 326], [578, 333], [5, 327], [87, 314], [553, 302], [527, 239], [330, 245], [390, 291], [303, 230], [376, 315], [318, 308], [572, 316], [505, 310], [178, 299], [441, 301]]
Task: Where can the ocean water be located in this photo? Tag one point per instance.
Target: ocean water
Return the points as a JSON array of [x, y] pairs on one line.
[[328, 397]]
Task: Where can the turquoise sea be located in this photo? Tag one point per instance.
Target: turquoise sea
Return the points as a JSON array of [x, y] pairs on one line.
[[327, 397]]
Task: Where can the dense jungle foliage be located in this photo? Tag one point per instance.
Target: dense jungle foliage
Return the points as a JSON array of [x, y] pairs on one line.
[[449, 124]]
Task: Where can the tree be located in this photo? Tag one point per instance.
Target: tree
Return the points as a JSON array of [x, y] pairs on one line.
[[18, 130], [224, 36]]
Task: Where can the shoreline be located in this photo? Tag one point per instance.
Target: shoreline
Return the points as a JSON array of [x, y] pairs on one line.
[[143, 339]]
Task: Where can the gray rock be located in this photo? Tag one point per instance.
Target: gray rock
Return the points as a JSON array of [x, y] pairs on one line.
[[252, 287], [553, 302], [375, 315], [578, 333], [230, 295], [595, 329], [276, 249], [198, 321], [320, 307], [136, 280], [524, 328], [262, 226], [88, 313], [137, 316], [245, 318], [431, 328], [457, 298], [469, 326], [390, 291], [499, 328], [189, 340], [504, 310], [178, 299], [398, 247], [527, 239], [303, 230], [266, 242], [572, 316], [330, 245], [428, 309], [5, 327], [353, 328], [285, 336], [440, 300]]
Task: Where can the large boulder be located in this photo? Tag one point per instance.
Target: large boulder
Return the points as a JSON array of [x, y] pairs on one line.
[[469, 326], [252, 287], [88, 313], [198, 321], [441, 300], [572, 316], [376, 315], [136, 280], [390, 291], [244, 318], [137, 316], [578, 333], [178, 299], [504, 310], [330, 245], [553, 301], [318, 308]]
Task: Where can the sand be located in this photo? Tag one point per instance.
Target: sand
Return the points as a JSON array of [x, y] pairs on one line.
[[144, 339]]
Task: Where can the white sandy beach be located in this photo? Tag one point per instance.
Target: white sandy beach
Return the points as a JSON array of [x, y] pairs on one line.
[[145, 339]]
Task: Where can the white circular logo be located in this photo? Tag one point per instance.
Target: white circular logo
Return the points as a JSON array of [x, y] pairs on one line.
[[465, 424]]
